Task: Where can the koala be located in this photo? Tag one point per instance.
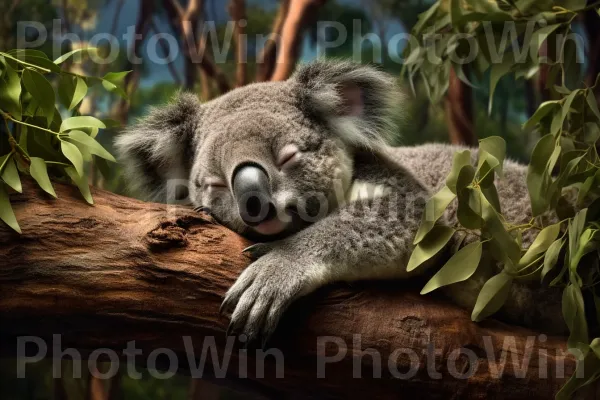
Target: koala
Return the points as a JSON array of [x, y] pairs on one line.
[[303, 168]]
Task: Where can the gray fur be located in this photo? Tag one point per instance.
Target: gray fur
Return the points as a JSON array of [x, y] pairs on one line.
[[341, 151]]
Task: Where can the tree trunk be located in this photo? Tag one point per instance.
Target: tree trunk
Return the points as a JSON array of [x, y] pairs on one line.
[[299, 12], [125, 270], [459, 112]]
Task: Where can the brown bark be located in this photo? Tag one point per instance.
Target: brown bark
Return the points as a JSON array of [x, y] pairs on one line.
[[237, 10], [185, 22], [299, 13], [126, 270], [268, 56], [459, 112]]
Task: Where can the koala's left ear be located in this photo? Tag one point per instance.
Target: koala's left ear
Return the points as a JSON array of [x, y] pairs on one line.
[[355, 100]]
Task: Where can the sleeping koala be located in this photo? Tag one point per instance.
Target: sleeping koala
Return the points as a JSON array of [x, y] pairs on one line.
[[302, 166]]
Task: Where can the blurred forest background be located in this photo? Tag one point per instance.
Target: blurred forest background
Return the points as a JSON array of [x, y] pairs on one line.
[[462, 117]]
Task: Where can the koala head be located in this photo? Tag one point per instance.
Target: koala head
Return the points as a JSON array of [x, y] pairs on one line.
[[267, 158]]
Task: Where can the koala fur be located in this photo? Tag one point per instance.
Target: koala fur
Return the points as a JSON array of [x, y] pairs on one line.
[[362, 201]]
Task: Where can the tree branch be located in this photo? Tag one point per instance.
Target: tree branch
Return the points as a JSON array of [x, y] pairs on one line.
[[268, 56], [237, 10], [300, 11], [125, 270]]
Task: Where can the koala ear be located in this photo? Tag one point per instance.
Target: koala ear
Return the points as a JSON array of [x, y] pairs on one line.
[[160, 147], [355, 100]]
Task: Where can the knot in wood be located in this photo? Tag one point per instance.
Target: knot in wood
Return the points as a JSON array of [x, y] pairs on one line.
[[172, 232]]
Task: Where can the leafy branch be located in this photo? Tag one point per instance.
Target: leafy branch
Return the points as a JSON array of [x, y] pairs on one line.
[[45, 134]]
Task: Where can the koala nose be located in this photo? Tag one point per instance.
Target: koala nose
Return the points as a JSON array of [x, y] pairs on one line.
[[253, 194]]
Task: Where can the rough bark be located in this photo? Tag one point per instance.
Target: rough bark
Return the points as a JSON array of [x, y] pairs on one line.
[[459, 112], [126, 270]]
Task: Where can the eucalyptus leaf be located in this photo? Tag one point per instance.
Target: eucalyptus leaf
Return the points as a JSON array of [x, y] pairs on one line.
[[573, 310], [593, 104], [10, 92], [42, 91], [538, 177], [39, 172], [81, 122], [493, 150], [84, 50], [461, 159], [492, 296], [542, 242], [460, 267], [10, 175], [74, 155], [434, 209], [6, 212], [432, 244], [82, 184], [551, 256], [92, 145], [544, 109]]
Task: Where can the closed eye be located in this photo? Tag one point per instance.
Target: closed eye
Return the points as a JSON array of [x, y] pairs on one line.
[[214, 183], [288, 156]]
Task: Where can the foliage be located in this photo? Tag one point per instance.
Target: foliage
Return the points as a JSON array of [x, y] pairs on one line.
[[43, 133], [564, 169]]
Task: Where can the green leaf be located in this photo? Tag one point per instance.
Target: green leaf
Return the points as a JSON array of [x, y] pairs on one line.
[[551, 256], [39, 172], [82, 184], [540, 36], [74, 155], [424, 17], [492, 296], [504, 246], [591, 132], [10, 92], [113, 82], [585, 373], [433, 242], [81, 122], [66, 56], [434, 209], [584, 190], [6, 212], [79, 93], [542, 242], [544, 109], [469, 212], [460, 267], [92, 145], [573, 310], [591, 100], [537, 174], [10, 175], [586, 244], [42, 92], [36, 58], [493, 150], [461, 159], [497, 71]]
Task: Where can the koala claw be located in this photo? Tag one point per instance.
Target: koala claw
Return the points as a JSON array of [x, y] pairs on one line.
[[262, 293], [258, 250]]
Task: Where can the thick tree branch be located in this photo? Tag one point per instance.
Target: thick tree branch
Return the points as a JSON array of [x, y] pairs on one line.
[[126, 270]]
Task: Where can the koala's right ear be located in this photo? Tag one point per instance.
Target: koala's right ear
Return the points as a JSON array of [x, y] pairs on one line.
[[357, 101], [160, 148]]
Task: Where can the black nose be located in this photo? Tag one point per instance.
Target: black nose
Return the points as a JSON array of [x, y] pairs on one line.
[[252, 192]]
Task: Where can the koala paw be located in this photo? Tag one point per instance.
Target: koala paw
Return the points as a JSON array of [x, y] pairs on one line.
[[263, 292]]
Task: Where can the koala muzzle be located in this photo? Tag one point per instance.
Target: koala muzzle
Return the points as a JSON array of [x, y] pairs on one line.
[[252, 192]]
